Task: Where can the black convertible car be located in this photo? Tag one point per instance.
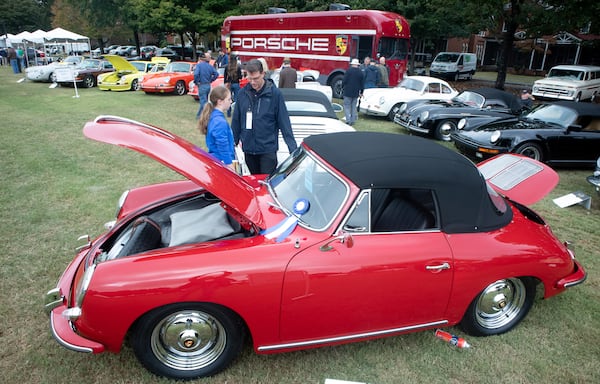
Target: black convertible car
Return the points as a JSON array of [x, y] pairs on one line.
[[562, 133], [440, 118]]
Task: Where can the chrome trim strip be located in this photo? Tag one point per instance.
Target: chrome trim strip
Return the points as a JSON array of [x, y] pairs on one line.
[[62, 342], [350, 337]]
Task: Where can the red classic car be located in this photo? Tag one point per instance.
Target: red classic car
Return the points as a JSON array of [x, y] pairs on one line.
[[356, 235], [174, 79]]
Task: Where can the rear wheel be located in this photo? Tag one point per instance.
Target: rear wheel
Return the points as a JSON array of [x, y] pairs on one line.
[[499, 307], [444, 129], [180, 88], [531, 150], [187, 341]]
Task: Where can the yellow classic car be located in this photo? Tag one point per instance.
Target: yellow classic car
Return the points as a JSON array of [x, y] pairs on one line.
[[128, 74]]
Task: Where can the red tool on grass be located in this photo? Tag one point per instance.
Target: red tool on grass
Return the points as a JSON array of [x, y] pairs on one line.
[[452, 339]]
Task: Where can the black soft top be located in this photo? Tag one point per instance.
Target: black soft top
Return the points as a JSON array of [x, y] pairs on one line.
[[384, 160], [309, 96], [505, 98]]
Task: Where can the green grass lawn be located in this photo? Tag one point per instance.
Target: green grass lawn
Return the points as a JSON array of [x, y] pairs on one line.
[[57, 185]]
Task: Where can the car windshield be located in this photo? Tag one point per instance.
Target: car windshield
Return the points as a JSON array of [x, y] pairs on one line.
[[552, 113], [88, 63], [178, 67], [301, 178], [568, 73], [447, 58], [470, 98], [139, 65], [412, 84]]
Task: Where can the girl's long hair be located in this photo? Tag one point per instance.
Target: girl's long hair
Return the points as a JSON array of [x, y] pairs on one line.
[[216, 94]]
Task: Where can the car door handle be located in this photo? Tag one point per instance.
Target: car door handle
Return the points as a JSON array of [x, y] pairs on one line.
[[438, 267]]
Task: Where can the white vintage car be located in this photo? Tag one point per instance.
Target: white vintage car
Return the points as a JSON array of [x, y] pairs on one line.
[[569, 82], [46, 72], [387, 101]]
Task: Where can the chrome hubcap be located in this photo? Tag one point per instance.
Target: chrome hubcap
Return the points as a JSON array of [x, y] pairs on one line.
[[500, 303], [188, 340]]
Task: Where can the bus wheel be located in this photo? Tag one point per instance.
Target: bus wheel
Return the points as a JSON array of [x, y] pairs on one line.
[[337, 86]]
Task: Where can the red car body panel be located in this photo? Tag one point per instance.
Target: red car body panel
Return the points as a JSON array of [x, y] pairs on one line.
[[179, 155], [519, 178], [279, 288]]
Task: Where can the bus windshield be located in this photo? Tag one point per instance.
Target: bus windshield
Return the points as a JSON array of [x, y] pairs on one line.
[[394, 49]]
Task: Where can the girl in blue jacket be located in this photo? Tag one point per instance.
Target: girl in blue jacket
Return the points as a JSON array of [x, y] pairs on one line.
[[213, 124]]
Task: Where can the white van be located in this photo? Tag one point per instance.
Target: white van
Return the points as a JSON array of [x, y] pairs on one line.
[[569, 82], [454, 65]]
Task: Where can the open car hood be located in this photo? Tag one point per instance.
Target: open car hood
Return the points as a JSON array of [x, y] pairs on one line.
[[181, 156], [120, 64], [519, 178]]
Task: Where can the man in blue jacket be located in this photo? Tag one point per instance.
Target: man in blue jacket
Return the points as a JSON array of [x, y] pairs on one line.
[[204, 74], [258, 116]]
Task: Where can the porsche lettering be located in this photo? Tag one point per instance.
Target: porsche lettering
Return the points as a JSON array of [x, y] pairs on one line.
[[311, 44]]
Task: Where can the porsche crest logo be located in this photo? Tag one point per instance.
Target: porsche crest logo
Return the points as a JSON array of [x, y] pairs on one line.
[[399, 26], [341, 44]]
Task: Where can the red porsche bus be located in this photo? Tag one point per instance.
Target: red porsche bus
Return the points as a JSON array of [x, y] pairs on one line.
[[324, 41]]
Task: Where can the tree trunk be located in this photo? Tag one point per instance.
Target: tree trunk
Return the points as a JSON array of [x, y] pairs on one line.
[[512, 15]]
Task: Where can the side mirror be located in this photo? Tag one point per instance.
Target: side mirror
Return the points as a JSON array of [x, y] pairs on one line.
[[345, 238], [574, 128]]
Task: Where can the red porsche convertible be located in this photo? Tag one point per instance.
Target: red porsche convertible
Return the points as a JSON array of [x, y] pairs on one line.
[[356, 235]]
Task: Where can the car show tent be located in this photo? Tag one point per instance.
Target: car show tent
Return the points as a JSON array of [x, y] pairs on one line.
[[56, 40]]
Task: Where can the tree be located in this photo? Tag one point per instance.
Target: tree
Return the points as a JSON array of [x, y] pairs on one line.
[[24, 15]]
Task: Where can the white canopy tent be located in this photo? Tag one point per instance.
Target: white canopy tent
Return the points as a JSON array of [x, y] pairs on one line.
[[70, 42]]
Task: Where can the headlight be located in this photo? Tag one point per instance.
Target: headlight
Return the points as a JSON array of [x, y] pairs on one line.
[[495, 137], [167, 79], [382, 100], [424, 116], [461, 123], [403, 108]]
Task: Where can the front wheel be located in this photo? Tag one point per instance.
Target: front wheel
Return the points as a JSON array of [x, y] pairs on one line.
[[444, 129], [395, 109], [188, 341], [135, 85], [89, 81], [531, 150], [337, 87], [499, 307], [180, 88]]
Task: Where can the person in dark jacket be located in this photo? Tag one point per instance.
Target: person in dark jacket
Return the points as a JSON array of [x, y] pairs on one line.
[[371, 75], [258, 116], [288, 75], [204, 74], [354, 85]]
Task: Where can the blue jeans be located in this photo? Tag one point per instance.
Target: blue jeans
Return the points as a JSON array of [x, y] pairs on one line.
[[15, 65], [234, 88], [350, 104], [203, 91]]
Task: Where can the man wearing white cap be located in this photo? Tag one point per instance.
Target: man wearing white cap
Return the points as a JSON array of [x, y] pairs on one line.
[[354, 84]]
